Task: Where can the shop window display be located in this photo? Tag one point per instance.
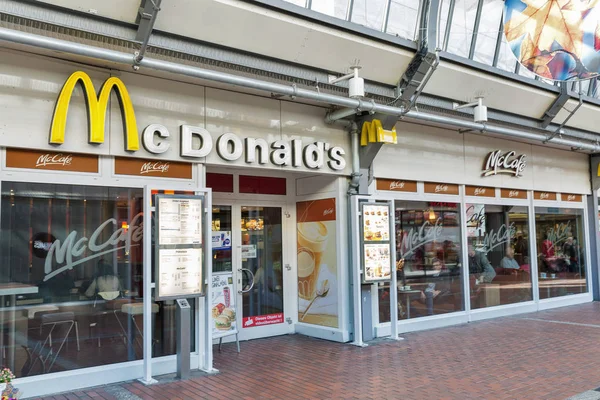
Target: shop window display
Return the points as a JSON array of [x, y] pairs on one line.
[[498, 255], [561, 251], [428, 239], [72, 256]]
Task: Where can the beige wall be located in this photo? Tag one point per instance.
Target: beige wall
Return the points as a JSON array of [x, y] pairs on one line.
[[426, 153]]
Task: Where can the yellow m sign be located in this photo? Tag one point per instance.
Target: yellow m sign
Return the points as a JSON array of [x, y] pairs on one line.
[[97, 106], [373, 132]]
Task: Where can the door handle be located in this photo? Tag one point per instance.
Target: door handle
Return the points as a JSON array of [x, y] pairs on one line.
[[241, 271]]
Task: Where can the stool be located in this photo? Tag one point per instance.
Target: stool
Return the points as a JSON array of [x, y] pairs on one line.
[[42, 353]]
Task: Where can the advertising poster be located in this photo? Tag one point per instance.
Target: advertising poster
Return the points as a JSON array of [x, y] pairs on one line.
[[223, 305], [317, 263], [180, 272], [221, 240], [377, 261], [376, 223]]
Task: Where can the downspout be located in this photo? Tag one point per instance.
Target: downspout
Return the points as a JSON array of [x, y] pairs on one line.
[[355, 177]]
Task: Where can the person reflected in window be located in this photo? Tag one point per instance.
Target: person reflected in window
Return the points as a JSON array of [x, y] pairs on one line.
[[105, 284], [480, 266], [521, 248], [571, 254], [438, 290], [509, 262]]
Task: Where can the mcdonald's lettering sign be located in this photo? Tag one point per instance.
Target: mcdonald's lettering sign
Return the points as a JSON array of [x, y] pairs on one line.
[[155, 137], [96, 107]]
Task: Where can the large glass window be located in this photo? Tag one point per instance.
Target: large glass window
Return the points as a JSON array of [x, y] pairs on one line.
[[561, 251], [369, 13], [71, 279], [428, 239], [498, 255]]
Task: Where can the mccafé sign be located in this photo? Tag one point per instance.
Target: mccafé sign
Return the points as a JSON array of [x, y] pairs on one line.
[[229, 146], [508, 163]]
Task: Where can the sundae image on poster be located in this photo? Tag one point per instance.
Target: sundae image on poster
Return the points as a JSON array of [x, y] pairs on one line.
[[223, 305], [317, 263]]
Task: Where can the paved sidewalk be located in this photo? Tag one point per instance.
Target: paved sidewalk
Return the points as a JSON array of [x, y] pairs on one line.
[[546, 355]]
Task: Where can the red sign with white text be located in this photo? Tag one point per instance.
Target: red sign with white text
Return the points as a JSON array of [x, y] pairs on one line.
[[260, 320]]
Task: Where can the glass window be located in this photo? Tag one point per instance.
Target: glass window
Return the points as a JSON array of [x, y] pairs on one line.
[[498, 259], [301, 3], [461, 31], [506, 59], [561, 251], [221, 238], [487, 36], [428, 239], [369, 13], [403, 18], [72, 266], [334, 8]]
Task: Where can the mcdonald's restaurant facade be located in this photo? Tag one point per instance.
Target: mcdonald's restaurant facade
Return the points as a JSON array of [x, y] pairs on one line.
[[486, 227]]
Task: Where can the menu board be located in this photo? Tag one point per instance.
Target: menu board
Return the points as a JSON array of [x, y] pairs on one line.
[[180, 272], [375, 242], [179, 251], [376, 223], [223, 305], [377, 261], [180, 221]]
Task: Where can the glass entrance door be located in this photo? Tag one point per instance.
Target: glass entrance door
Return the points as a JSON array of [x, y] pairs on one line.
[[260, 274]]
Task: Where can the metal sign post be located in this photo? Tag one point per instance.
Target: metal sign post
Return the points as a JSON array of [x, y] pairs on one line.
[[183, 318]]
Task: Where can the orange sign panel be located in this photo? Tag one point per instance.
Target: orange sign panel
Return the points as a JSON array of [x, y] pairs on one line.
[[397, 185], [51, 161], [440, 188], [514, 194], [480, 191], [571, 197], [152, 168], [544, 196]]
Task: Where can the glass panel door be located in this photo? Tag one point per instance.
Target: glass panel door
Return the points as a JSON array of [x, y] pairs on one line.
[[260, 272]]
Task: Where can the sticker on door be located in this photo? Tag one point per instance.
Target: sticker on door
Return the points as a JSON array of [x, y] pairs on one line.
[[260, 320]]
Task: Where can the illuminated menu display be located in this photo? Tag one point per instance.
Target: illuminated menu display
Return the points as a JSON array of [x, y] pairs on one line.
[[376, 247], [179, 249]]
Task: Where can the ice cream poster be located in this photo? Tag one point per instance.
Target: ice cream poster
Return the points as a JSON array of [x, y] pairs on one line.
[[223, 305], [317, 262]]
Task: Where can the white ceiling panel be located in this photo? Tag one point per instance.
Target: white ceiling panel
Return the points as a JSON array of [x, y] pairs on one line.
[[259, 30], [463, 84], [120, 10]]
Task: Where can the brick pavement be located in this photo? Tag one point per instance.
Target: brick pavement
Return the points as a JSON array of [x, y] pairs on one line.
[[547, 355]]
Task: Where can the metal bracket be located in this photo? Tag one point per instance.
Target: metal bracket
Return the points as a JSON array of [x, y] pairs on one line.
[[559, 130], [558, 104], [148, 12]]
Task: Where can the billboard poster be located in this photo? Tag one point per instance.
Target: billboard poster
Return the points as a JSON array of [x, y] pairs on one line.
[[223, 305], [317, 262]]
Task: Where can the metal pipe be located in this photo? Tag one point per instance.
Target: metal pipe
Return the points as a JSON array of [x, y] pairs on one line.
[[355, 177], [342, 113], [166, 66]]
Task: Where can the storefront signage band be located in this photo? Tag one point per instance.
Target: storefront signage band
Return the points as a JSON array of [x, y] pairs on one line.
[[507, 163], [229, 146]]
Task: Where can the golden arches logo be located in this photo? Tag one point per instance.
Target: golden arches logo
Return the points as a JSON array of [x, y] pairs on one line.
[[373, 132], [97, 106]]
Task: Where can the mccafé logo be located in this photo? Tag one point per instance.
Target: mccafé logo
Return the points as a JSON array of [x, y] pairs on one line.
[[480, 191], [154, 167], [196, 142], [397, 185], [328, 211], [441, 188], [55, 159], [544, 196], [498, 163], [571, 197], [513, 193]]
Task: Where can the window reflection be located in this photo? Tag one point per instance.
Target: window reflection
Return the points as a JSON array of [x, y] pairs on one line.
[[487, 36], [461, 32], [428, 239], [403, 18], [498, 255], [369, 13], [334, 8], [561, 251]]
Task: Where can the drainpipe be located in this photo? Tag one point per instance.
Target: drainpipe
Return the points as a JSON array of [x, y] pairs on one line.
[[355, 177], [293, 91]]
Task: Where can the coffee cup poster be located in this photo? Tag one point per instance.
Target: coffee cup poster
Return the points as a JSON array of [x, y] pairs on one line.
[[317, 263]]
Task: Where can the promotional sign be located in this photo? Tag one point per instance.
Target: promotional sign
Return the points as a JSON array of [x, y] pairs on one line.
[[223, 305], [262, 320], [376, 251], [160, 169], [556, 40], [221, 240], [249, 251], [47, 160], [179, 247], [317, 263]]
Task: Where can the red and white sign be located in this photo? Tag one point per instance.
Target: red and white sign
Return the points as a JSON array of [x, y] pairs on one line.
[[260, 320]]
